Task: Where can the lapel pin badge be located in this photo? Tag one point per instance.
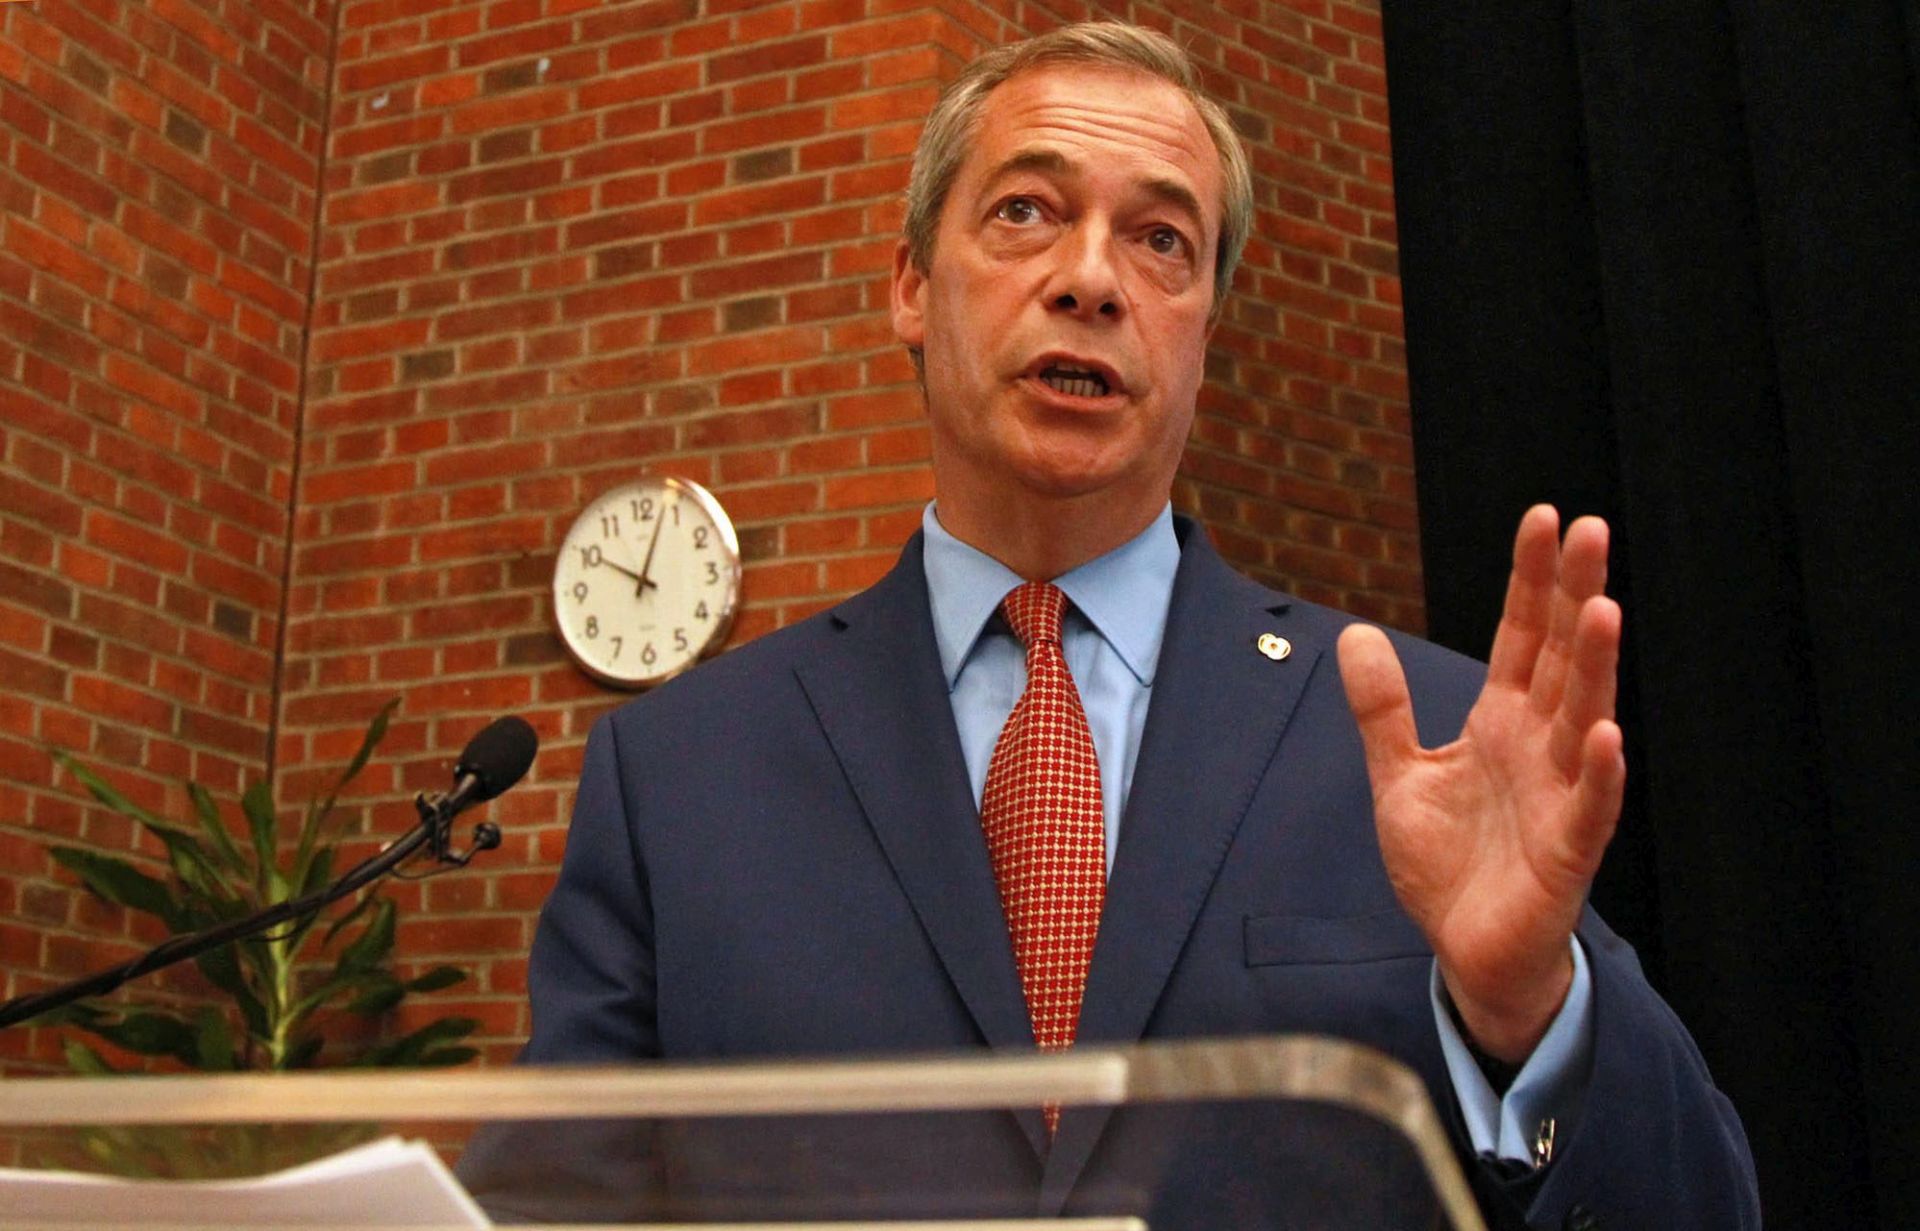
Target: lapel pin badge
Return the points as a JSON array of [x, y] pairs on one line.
[[1273, 646]]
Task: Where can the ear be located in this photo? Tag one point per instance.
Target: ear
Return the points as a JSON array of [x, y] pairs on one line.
[[909, 299]]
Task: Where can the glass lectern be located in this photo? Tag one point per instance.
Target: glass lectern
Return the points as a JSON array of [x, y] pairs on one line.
[[1283, 1132]]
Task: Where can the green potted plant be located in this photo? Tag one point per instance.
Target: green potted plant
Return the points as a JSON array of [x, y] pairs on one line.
[[284, 990]]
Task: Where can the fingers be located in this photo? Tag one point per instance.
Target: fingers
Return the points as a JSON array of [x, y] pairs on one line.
[[1595, 809], [1591, 681], [1377, 695], [1523, 621], [1582, 575]]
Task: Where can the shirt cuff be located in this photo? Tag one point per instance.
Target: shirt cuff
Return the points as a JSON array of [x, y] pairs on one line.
[[1550, 1086]]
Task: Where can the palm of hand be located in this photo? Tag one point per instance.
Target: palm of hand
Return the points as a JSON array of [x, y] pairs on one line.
[[1492, 840]]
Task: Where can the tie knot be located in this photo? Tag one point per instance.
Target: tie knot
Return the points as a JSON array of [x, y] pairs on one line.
[[1034, 611]]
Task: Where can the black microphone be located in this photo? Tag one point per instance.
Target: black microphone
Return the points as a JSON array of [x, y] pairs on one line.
[[494, 759]]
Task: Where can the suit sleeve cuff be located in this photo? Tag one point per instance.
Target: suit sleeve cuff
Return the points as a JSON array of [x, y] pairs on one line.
[[1551, 1085]]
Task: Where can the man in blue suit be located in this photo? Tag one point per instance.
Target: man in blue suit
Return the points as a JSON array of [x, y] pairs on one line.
[[1307, 824]]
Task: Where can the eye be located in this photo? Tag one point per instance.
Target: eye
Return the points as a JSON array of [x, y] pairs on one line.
[[1166, 241], [1018, 210]]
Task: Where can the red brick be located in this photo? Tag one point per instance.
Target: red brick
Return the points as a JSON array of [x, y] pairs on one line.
[[741, 277], [41, 169], [654, 81], [405, 197], [372, 74], [779, 197], [870, 409], [779, 129], [493, 318], [496, 537], [857, 572], [879, 488], [767, 58], [331, 486], [872, 110], [134, 541], [109, 698], [514, 44], [470, 618]]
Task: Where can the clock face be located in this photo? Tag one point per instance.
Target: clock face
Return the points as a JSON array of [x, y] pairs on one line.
[[647, 581]]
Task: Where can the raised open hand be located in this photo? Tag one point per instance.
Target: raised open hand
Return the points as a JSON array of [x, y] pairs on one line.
[[1492, 840]]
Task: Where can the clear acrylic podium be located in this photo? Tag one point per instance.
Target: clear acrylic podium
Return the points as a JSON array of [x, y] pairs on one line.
[[1264, 1132]]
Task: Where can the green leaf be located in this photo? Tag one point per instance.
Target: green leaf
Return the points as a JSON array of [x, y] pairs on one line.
[[119, 882], [370, 948], [216, 829], [81, 1013], [190, 861], [376, 731], [437, 978], [222, 968], [304, 1052], [100, 790], [213, 1041], [318, 872], [194, 868], [151, 1033], [338, 925], [446, 1057], [257, 803], [335, 984], [409, 1050], [259, 963], [318, 812], [381, 995], [315, 879], [84, 1059]]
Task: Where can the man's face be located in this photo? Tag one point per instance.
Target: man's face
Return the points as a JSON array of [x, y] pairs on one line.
[[1064, 320]]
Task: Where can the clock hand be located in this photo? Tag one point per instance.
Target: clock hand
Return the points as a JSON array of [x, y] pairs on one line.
[[620, 568], [647, 564]]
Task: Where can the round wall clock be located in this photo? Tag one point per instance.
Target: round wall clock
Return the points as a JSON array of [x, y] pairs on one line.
[[647, 582]]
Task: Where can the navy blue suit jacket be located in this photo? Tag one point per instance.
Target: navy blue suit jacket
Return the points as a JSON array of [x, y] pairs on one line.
[[779, 854]]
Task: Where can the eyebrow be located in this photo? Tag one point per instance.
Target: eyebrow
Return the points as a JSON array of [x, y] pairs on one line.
[[1173, 192]]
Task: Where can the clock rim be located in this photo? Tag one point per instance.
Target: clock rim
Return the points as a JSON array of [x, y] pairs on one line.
[[731, 574]]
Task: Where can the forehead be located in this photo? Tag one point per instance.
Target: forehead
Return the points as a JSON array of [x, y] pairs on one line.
[[1100, 119]]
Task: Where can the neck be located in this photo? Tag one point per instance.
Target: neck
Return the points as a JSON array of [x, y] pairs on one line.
[[1042, 539]]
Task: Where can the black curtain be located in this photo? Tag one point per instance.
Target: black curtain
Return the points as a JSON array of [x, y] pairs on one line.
[[1661, 261]]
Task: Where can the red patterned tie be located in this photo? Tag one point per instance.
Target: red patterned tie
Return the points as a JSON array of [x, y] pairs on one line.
[[1045, 832]]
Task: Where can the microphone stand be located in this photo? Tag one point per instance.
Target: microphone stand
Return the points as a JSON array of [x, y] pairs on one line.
[[436, 818]]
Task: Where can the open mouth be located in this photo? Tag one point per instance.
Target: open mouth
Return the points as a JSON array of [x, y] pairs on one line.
[[1079, 382]]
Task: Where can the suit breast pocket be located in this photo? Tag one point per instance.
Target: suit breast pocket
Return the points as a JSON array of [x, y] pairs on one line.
[[1316, 940]]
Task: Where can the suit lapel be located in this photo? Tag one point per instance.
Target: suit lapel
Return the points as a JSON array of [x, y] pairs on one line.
[[881, 700], [1216, 716]]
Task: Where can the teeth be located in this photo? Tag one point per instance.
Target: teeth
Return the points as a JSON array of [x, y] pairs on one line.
[[1075, 381]]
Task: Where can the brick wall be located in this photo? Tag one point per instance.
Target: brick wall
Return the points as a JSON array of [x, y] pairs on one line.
[[158, 174], [564, 242]]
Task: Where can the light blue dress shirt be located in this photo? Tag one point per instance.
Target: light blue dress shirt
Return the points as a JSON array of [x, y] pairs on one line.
[[1111, 640]]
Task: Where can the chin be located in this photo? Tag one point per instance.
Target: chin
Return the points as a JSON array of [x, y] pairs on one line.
[[1058, 479]]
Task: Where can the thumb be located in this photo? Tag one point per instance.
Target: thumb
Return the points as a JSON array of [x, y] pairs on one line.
[[1377, 695]]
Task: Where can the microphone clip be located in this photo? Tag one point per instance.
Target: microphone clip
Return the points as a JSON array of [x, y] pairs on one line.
[[436, 817]]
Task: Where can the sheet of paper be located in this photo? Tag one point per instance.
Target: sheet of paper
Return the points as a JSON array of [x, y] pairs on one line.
[[385, 1183]]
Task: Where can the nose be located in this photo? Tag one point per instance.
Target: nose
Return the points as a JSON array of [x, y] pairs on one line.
[[1085, 282]]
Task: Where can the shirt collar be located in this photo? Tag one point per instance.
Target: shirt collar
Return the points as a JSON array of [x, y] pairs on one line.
[[1123, 594]]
